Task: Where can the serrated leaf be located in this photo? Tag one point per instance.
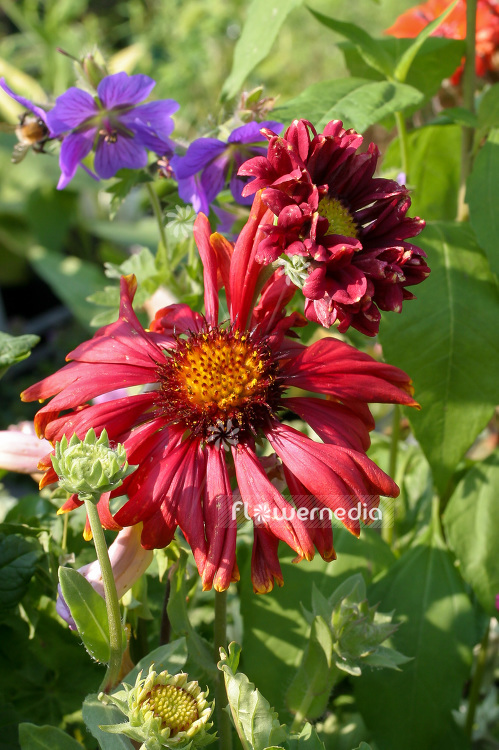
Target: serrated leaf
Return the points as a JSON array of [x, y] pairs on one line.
[[18, 561], [96, 714], [407, 59], [375, 55], [88, 610], [309, 691], [482, 187], [260, 30], [255, 721], [438, 630], [448, 341], [471, 522], [358, 102], [33, 737], [14, 349]]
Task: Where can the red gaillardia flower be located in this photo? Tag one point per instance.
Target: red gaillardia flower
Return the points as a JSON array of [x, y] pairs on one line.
[[215, 391], [414, 20], [339, 233]]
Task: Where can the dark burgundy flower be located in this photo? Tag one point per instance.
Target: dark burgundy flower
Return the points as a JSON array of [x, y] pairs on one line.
[[339, 233], [218, 388]]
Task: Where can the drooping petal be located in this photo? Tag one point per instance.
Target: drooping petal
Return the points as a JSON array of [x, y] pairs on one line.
[[120, 89], [221, 527], [71, 110], [265, 568], [74, 148], [334, 423], [123, 153]]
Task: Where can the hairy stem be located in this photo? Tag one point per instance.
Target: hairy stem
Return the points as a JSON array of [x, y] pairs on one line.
[[111, 597], [469, 85], [220, 639], [477, 683]]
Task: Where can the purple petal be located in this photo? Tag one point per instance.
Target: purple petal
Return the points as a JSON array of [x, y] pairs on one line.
[[146, 138], [155, 115], [74, 148], [63, 610], [250, 133], [38, 111], [71, 110], [121, 89], [191, 191], [213, 177], [199, 154], [236, 187], [125, 153]]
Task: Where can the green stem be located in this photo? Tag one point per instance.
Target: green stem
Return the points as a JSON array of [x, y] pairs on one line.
[[477, 683], [404, 144], [220, 639], [111, 597], [308, 698], [162, 256], [387, 530], [469, 85]]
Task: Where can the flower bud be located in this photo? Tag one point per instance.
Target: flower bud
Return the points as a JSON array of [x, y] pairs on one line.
[[164, 711], [94, 72], [90, 467]]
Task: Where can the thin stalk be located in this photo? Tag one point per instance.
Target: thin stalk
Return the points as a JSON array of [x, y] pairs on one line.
[[469, 85], [477, 683], [404, 144], [220, 639], [111, 597], [162, 256], [165, 628], [64, 542], [387, 530]]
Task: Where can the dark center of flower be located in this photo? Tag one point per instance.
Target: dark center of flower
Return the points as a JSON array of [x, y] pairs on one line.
[[218, 383], [176, 708], [339, 217]]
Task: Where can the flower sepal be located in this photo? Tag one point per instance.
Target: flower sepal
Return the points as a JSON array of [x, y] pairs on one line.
[[164, 711], [90, 467]]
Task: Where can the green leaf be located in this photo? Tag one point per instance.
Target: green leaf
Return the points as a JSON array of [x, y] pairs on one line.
[[70, 278], [126, 180], [14, 349], [18, 562], [257, 724], [88, 610], [437, 59], [449, 343], [407, 59], [33, 737], [434, 170], [357, 102], [274, 634], [171, 657], [471, 521], [488, 108], [306, 740], [482, 187], [457, 115], [199, 649], [310, 689], [374, 54], [96, 714], [438, 630], [259, 33]]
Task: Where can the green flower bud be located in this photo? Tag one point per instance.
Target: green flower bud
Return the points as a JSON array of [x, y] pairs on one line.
[[90, 467], [164, 711], [94, 71]]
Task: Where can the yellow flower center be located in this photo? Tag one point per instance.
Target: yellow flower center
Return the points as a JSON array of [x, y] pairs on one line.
[[176, 708], [218, 377], [340, 220]]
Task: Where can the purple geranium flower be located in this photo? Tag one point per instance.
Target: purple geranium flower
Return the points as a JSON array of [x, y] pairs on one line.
[[111, 124], [210, 164]]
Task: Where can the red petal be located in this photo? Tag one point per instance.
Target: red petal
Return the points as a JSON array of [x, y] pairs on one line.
[[221, 528], [202, 232]]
